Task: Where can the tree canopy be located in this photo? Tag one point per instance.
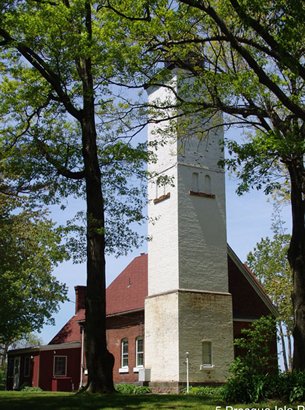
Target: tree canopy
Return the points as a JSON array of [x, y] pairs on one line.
[[245, 61], [67, 121], [66, 130], [269, 262], [30, 248]]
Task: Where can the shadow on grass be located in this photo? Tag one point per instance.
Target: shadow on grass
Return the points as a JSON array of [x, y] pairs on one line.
[[65, 401]]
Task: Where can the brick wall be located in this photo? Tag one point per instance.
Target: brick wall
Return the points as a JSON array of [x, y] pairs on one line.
[[130, 327]]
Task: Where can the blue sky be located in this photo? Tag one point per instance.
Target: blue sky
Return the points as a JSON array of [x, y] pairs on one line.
[[248, 220]]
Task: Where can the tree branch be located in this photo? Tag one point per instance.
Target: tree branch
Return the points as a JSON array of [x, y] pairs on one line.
[[261, 74], [62, 170], [278, 50], [146, 17], [52, 78]]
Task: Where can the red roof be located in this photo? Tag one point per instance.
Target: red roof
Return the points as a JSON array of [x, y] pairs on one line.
[[128, 291], [71, 330]]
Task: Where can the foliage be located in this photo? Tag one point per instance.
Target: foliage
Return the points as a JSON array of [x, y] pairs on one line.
[[2, 377], [287, 387], [241, 61], [206, 392], [30, 248], [30, 389], [28, 340], [269, 262], [256, 341], [66, 130], [41, 132], [132, 389], [250, 371], [253, 69]]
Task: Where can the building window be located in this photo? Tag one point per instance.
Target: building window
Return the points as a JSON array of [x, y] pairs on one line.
[[207, 184], [60, 366], [26, 368], [139, 352], [124, 355], [207, 354], [195, 182]]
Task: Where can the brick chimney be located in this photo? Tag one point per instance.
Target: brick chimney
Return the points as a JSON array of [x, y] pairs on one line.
[[80, 297]]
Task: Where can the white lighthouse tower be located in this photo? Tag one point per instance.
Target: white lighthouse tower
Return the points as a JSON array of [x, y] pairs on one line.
[[188, 311]]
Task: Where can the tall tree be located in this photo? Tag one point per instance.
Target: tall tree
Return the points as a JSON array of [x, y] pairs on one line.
[[244, 59], [30, 248], [269, 262], [60, 135]]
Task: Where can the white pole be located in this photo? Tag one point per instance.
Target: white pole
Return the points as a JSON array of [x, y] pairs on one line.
[[187, 372], [82, 358]]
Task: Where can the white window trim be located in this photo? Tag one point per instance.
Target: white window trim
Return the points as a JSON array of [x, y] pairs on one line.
[[124, 369], [66, 365], [207, 366], [124, 355], [139, 366]]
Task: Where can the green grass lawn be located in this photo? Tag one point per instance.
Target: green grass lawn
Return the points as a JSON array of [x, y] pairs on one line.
[[68, 401]]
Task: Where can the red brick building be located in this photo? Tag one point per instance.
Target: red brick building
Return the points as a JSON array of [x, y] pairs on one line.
[[60, 365]]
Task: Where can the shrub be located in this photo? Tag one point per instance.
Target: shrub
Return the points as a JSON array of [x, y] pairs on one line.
[[206, 392], [291, 386], [249, 389], [30, 389], [287, 387], [2, 378], [132, 389], [252, 371]]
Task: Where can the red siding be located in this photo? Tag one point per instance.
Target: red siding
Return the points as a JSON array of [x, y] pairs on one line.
[[46, 377], [246, 302]]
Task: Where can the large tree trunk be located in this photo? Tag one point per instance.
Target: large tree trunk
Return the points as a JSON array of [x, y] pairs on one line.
[[296, 256], [99, 360]]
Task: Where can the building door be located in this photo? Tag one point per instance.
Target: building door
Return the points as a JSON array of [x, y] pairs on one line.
[[16, 373]]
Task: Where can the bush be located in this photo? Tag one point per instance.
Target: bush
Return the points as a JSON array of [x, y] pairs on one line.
[[132, 389], [252, 372], [2, 378], [290, 387], [30, 389], [287, 387], [206, 392], [248, 389]]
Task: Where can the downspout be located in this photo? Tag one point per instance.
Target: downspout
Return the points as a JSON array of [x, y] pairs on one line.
[[81, 359]]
